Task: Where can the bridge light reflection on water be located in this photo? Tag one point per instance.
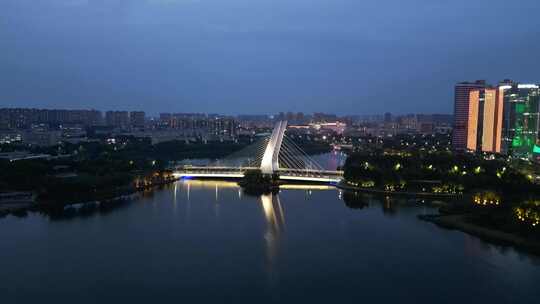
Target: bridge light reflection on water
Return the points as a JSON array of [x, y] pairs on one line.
[[272, 209], [275, 223], [273, 213], [269, 249]]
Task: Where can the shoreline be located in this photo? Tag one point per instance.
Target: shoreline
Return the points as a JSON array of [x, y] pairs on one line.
[[497, 237], [398, 193], [459, 222], [44, 205]]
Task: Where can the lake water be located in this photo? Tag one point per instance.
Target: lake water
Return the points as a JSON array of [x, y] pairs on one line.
[[208, 242]]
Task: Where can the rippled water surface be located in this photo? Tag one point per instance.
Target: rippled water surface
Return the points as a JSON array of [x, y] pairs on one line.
[[205, 241]]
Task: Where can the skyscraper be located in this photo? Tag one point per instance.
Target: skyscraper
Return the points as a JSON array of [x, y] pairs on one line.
[[462, 113], [472, 120], [521, 121], [483, 128]]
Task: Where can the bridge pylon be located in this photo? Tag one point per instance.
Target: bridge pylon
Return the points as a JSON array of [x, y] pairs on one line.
[[270, 160]]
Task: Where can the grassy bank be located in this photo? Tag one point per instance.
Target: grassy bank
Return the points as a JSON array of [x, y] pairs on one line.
[[465, 223]]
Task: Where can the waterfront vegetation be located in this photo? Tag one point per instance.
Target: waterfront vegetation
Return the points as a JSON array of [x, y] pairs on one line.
[[490, 197], [434, 172], [100, 170], [135, 148], [512, 213], [106, 168], [60, 182]]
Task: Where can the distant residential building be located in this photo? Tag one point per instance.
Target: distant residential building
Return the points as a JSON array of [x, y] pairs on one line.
[[387, 117], [137, 119], [9, 137], [426, 127], [23, 118], [323, 117], [73, 133], [165, 120], [336, 127], [408, 123], [42, 138], [208, 126], [223, 127], [117, 119], [255, 121], [298, 118], [442, 119]]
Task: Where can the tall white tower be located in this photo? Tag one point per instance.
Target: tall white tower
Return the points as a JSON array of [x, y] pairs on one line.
[[270, 160]]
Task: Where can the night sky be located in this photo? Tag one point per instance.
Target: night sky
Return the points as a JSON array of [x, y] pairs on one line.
[[261, 56]]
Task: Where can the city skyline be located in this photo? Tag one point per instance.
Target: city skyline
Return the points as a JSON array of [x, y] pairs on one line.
[[269, 151], [231, 57], [156, 114]]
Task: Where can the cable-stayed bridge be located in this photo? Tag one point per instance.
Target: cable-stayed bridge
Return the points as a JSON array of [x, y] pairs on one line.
[[272, 154]]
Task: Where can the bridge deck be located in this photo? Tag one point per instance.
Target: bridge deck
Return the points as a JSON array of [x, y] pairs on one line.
[[324, 176]]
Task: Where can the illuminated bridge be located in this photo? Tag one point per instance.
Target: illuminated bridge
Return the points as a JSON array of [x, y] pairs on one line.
[[274, 154]]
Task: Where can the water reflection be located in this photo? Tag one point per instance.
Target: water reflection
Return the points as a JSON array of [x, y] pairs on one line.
[[486, 198], [280, 248], [528, 213], [275, 223], [181, 201], [88, 210], [271, 208], [209, 184], [389, 206], [306, 187], [354, 200]]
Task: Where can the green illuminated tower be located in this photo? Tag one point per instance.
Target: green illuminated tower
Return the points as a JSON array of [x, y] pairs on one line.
[[521, 120]]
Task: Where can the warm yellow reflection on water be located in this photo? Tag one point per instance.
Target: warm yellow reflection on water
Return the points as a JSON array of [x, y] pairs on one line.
[[306, 187], [212, 184], [275, 223]]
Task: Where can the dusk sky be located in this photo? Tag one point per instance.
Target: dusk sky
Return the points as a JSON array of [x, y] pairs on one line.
[[261, 56]]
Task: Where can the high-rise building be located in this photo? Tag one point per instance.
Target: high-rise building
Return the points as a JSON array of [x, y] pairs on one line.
[[521, 121], [505, 119], [462, 113], [483, 127]]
